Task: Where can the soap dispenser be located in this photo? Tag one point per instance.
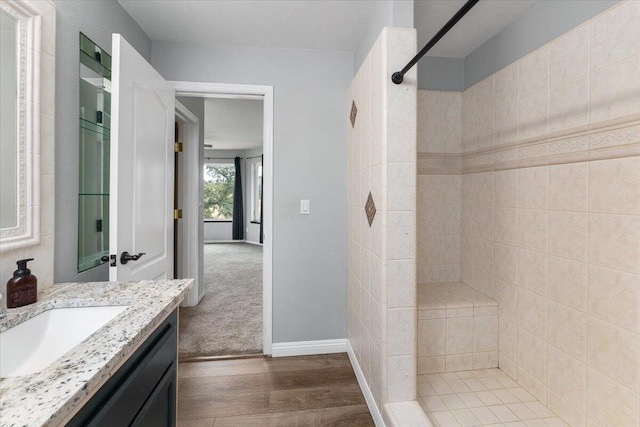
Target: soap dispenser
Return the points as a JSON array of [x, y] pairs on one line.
[[22, 289]]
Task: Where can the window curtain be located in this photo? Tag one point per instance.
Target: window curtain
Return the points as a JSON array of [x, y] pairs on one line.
[[238, 214], [261, 197]]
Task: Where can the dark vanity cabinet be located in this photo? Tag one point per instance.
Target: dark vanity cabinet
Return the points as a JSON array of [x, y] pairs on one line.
[[143, 391]]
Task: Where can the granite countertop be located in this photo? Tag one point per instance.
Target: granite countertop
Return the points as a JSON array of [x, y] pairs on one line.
[[51, 396]]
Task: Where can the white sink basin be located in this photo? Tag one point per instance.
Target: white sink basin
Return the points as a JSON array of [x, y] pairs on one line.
[[34, 344]]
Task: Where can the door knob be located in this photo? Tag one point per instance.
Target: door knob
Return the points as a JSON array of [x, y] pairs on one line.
[[126, 257]]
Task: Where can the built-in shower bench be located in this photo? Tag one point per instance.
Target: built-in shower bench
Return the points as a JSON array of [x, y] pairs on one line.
[[457, 329]]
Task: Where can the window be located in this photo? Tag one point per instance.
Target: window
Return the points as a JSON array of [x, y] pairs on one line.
[[219, 179], [256, 189]]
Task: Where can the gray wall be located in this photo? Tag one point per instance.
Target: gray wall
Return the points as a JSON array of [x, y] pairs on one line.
[[437, 73], [309, 259], [539, 25], [97, 20], [386, 13]]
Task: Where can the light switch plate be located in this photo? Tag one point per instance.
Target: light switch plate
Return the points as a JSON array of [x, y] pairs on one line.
[[304, 207]]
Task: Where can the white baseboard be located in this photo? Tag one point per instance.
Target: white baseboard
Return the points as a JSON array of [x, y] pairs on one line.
[[305, 348], [366, 391], [223, 241], [251, 242]]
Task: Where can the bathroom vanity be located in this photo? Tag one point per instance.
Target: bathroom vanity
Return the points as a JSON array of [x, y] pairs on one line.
[[124, 373]]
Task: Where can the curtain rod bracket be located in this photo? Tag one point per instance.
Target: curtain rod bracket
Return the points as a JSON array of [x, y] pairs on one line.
[[397, 77]]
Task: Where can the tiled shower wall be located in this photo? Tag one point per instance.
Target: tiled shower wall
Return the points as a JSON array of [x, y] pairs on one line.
[[550, 195], [439, 189], [381, 257]]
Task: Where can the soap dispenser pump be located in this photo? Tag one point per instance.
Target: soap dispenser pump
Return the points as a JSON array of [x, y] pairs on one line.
[[22, 289]]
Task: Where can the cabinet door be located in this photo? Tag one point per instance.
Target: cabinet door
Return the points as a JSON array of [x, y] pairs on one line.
[[160, 409], [120, 401]]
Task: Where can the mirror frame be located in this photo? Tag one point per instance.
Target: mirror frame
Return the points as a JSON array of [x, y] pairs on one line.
[[32, 93]]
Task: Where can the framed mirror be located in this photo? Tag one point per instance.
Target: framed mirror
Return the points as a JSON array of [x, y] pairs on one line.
[[22, 94], [27, 135]]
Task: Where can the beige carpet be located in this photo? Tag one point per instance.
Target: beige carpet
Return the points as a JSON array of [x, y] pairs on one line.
[[228, 319]]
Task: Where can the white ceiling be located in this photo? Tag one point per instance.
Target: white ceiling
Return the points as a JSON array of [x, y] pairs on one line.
[[233, 124], [485, 20], [315, 24], [308, 24]]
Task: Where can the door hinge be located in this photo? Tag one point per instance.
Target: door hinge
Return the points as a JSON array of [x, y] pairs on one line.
[[177, 213], [177, 147]]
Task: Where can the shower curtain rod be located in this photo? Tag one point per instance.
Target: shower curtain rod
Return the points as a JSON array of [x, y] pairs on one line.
[[398, 76]]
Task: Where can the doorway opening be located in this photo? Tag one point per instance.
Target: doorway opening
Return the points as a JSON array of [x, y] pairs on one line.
[[224, 238]]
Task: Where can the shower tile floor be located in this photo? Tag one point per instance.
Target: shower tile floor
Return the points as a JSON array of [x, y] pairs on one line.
[[483, 397]]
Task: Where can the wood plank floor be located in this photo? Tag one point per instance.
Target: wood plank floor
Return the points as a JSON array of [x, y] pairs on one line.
[[268, 392]]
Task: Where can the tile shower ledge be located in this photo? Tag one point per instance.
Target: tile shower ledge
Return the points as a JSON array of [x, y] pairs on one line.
[[50, 397]]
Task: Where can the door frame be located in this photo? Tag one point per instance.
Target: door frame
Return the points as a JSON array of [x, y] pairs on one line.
[[189, 260], [264, 93]]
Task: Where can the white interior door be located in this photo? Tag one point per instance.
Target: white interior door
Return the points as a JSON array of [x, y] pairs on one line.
[[141, 183]]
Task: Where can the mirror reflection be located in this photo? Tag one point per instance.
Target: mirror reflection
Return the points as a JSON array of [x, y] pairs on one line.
[[95, 135], [8, 122]]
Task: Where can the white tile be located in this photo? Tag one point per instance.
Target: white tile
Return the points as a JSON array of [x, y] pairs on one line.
[[503, 413], [533, 94], [401, 290], [458, 386], [568, 330], [506, 104], [459, 335], [614, 34], [445, 418], [484, 415], [533, 187], [522, 411], [474, 384], [401, 235], [522, 395], [569, 55], [465, 418], [401, 331], [614, 352], [568, 187], [470, 400], [614, 186], [401, 373], [539, 409], [401, 184], [506, 396], [568, 377], [488, 398], [613, 241], [434, 403], [491, 383], [614, 90], [614, 297], [609, 403], [431, 337], [533, 229], [568, 282], [453, 401], [459, 362], [442, 388]]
